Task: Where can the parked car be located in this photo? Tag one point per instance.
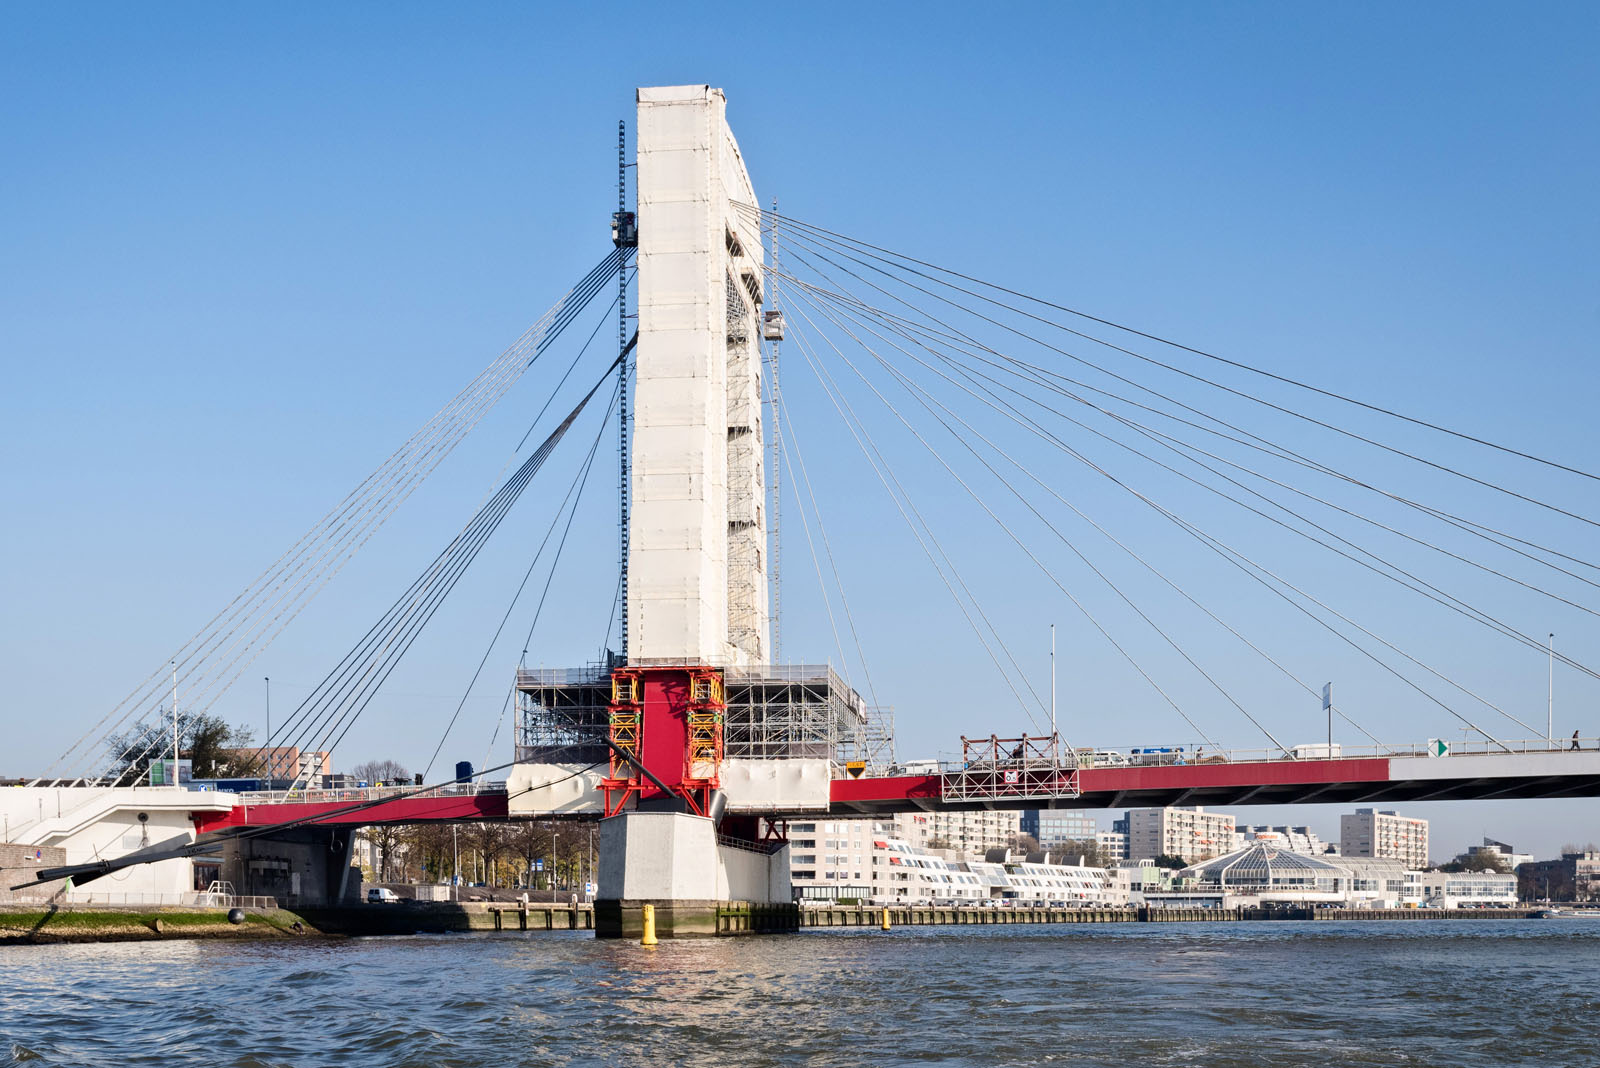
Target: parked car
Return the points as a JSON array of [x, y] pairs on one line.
[[1100, 758], [382, 895], [1158, 754]]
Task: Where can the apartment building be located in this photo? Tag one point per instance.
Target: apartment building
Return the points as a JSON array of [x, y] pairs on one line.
[[967, 834], [1113, 846], [835, 858], [1368, 832], [1190, 834]]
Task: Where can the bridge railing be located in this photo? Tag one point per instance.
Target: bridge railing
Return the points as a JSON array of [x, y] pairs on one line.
[[1313, 752], [1017, 774], [368, 793]]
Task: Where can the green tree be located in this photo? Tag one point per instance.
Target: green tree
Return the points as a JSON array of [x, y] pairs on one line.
[[217, 749], [1167, 860]]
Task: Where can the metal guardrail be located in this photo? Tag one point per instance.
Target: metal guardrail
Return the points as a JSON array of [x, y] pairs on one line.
[[191, 899], [368, 793], [765, 849], [1313, 752], [1310, 753]]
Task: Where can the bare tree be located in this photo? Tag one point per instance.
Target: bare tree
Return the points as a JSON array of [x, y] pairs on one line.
[[492, 843], [388, 842], [1086, 848], [375, 771]]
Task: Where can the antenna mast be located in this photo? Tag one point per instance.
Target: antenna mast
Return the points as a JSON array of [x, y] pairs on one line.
[[621, 229], [775, 444]]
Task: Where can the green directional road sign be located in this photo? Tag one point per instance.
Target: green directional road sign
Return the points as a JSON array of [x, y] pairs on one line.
[[1438, 747]]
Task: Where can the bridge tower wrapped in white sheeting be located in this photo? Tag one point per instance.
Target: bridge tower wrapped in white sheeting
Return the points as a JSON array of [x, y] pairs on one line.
[[697, 571]]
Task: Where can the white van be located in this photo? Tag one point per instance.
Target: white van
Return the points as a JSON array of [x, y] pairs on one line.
[[382, 895]]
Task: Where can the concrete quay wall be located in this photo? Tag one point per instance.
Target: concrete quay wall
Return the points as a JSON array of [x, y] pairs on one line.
[[922, 916], [432, 916]]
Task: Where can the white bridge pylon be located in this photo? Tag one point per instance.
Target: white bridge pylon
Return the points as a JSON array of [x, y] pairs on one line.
[[697, 568], [696, 724]]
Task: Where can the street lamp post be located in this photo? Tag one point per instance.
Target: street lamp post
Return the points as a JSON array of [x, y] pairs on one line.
[[1550, 701], [174, 724]]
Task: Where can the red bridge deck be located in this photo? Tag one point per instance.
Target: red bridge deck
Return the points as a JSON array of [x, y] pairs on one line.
[[1548, 773]]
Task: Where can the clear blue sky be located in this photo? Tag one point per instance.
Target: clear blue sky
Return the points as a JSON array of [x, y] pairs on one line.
[[247, 251]]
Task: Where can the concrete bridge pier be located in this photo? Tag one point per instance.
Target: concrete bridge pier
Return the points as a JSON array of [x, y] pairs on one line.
[[302, 868], [698, 884]]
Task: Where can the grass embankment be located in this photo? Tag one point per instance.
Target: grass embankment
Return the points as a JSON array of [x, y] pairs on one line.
[[133, 925]]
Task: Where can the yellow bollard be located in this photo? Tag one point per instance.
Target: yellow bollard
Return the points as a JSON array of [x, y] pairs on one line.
[[886, 918], [649, 938]]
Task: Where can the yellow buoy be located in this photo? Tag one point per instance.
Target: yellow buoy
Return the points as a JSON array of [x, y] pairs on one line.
[[886, 918], [649, 938]]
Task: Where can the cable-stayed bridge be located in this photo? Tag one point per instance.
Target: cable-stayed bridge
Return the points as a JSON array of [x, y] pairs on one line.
[[1204, 521]]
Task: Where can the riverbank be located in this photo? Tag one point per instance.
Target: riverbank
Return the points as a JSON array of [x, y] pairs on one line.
[[24, 924], [89, 923]]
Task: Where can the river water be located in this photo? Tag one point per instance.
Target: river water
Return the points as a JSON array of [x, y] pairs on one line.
[[1220, 995]]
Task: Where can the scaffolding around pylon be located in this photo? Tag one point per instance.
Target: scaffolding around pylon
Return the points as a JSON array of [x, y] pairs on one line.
[[769, 712]]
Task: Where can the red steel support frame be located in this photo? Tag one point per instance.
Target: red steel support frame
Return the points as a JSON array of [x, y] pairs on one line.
[[668, 719]]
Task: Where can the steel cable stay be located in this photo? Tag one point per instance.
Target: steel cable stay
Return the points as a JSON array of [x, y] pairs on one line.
[[816, 564], [1271, 448], [1032, 556], [354, 499], [1437, 595], [822, 373], [1137, 557], [1046, 345], [323, 693], [292, 606], [921, 531], [156, 739], [296, 608], [784, 431], [918, 394], [579, 482], [1424, 666], [320, 715], [901, 260], [574, 497], [527, 639], [1208, 539], [357, 702], [898, 325], [1050, 379], [786, 436], [388, 486], [306, 593]]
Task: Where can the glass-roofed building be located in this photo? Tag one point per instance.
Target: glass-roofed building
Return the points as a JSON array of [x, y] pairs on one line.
[[1263, 871], [1263, 867]]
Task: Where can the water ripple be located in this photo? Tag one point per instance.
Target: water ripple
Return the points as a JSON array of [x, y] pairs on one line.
[[1399, 995]]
